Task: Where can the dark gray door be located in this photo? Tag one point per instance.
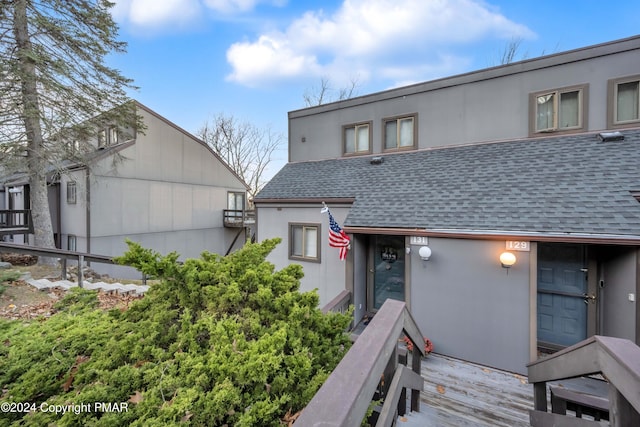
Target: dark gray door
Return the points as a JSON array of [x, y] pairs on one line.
[[562, 294], [388, 270]]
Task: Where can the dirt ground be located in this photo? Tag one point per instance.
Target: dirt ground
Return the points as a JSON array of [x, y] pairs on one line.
[[22, 301]]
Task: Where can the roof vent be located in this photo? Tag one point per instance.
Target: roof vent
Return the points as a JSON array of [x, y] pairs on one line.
[[377, 160], [611, 136]]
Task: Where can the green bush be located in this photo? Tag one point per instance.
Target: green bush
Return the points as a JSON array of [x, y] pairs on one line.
[[219, 341]]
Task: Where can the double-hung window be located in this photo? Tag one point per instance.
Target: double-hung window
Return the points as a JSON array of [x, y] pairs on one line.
[[558, 110], [624, 102], [357, 138], [400, 132], [304, 242], [71, 192], [102, 138]]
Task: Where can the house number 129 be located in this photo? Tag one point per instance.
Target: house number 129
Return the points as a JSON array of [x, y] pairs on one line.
[[517, 245]]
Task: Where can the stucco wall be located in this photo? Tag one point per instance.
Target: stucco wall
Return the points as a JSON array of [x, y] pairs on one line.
[[471, 307], [484, 106], [187, 243], [328, 276]]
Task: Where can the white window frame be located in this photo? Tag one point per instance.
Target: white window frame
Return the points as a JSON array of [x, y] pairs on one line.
[[357, 143], [581, 90], [304, 256]]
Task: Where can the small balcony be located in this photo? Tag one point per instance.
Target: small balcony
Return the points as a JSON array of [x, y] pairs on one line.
[[15, 222], [236, 218]]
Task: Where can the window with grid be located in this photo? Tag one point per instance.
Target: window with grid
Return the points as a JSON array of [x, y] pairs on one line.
[[357, 138], [71, 192], [399, 133], [624, 101], [558, 110], [304, 242]]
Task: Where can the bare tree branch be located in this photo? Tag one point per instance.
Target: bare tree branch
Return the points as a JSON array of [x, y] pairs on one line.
[[322, 94], [246, 148]]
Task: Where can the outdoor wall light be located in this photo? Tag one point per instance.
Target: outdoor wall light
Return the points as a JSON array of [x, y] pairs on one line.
[[507, 259], [425, 253]]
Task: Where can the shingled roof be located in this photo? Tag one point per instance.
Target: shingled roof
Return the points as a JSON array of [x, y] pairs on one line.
[[576, 184]]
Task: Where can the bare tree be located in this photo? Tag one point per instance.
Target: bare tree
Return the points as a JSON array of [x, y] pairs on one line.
[[322, 94], [247, 149], [52, 80]]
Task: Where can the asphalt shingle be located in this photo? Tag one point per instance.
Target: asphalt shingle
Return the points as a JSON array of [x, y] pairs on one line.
[[564, 184]]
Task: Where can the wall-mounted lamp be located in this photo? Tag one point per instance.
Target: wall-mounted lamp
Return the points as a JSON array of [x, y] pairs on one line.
[[507, 259], [425, 253]]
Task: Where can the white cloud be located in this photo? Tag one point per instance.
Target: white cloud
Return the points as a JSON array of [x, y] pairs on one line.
[[165, 14], [156, 13], [367, 35]]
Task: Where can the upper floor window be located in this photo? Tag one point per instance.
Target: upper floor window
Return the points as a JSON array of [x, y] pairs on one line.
[[102, 137], [357, 138], [559, 110], [624, 102], [304, 242], [399, 132], [113, 136], [71, 192], [108, 136]]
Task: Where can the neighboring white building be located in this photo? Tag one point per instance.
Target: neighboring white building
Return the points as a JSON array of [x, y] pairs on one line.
[[163, 188]]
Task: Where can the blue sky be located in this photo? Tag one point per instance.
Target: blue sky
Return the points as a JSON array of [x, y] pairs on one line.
[[255, 59]]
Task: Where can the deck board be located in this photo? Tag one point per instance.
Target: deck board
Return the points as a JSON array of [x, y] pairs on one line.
[[459, 394]]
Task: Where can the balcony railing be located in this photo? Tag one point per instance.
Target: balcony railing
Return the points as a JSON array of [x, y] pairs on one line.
[[618, 360], [239, 218], [16, 222]]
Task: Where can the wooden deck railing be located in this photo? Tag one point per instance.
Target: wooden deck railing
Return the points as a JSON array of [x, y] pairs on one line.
[[238, 217], [345, 397], [16, 222], [340, 304], [64, 255], [618, 360]]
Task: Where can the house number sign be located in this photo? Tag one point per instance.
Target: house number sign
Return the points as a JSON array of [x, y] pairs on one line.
[[419, 240], [518, 245]]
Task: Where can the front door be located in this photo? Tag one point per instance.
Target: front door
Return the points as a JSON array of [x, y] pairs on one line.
[[387, 270], [563, 295]]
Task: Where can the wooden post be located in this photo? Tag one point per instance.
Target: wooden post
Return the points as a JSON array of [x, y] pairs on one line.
[[416, 365], [63, 274], [540, 396], [402, 403], [80, 273], [621, 412]]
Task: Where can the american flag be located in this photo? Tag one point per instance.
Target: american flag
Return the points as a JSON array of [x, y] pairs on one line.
[[337, 237]]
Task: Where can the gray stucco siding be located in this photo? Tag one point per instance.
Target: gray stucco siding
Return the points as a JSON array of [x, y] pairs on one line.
[[471, 307]]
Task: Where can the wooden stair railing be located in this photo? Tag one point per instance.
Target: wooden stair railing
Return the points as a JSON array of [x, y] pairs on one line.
[[345, 397], [618, 360]]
